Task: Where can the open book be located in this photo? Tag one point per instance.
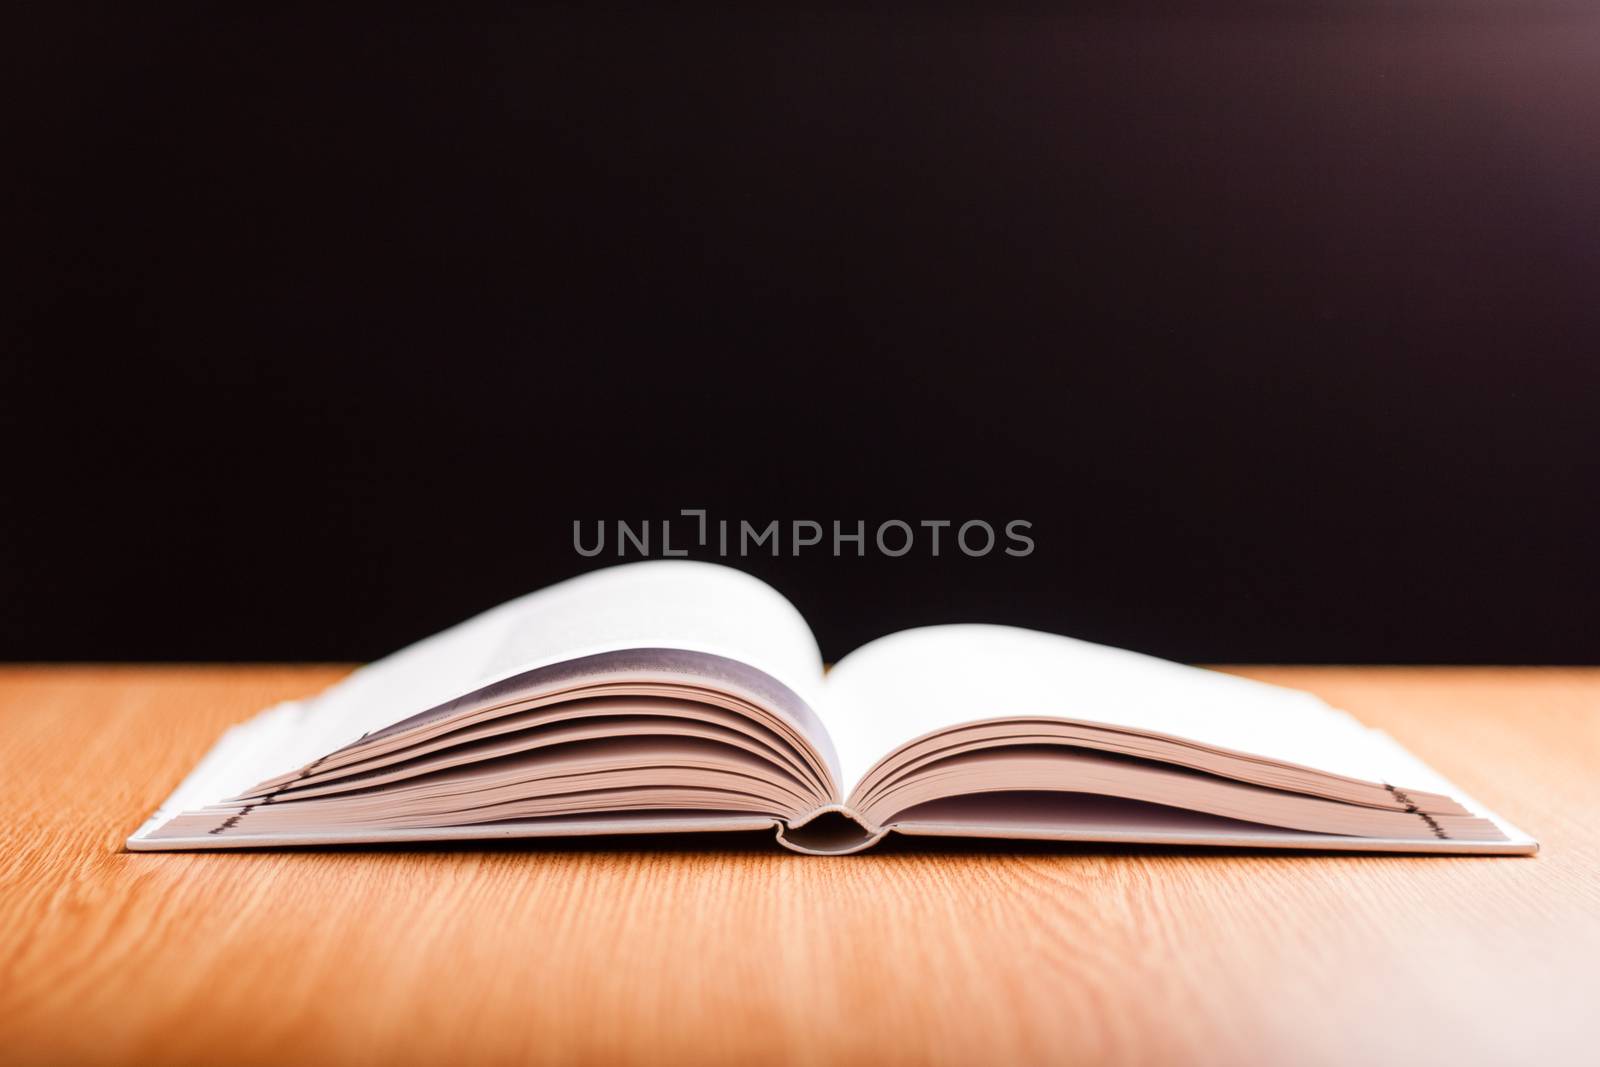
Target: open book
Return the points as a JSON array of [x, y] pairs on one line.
[[673, 695]]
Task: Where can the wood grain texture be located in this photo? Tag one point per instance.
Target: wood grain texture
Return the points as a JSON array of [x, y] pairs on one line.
[[717, 950]]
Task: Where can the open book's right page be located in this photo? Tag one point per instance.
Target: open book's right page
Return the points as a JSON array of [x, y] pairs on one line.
[[915, 682]]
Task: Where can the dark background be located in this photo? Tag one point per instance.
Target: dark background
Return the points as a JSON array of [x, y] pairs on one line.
[[1279, 321]]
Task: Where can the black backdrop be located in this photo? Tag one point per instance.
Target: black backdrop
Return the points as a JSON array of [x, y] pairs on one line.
[[1279, 321]]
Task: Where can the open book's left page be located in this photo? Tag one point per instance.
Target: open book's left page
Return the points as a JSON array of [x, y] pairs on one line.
[[733, 620]]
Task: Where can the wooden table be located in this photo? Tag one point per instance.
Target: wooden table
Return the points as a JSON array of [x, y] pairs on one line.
[[724, 950]]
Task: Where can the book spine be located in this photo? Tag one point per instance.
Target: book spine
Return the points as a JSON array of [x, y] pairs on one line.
[[831, 830]]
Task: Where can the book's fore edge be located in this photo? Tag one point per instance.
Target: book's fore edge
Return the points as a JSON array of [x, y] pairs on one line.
[[1425, 775], [196, 788]]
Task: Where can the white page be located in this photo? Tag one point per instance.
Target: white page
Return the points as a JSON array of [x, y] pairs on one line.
[[911, 683], [701, 607]]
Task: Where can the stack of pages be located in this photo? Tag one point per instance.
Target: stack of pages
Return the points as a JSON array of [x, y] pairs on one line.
[[672, 696]]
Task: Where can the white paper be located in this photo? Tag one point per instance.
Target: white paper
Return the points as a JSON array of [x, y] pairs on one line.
[[908, 684], [680, 604]]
